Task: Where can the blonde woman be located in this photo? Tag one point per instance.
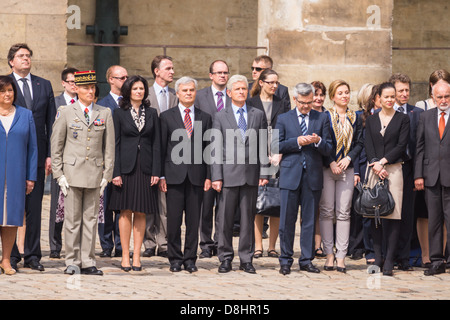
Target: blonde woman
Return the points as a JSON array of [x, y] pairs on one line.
[[338, 178]]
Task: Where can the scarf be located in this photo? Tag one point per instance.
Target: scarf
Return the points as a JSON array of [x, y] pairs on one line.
[[343, 132], [138, 120]]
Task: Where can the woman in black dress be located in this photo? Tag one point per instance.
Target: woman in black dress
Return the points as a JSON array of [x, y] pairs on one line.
[[137, 166], [387, 134]]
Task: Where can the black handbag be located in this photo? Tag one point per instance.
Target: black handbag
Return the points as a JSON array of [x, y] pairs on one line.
[[375, 202], [268, 201]]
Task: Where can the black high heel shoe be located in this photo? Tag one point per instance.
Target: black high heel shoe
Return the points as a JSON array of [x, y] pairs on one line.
[[126, 269]]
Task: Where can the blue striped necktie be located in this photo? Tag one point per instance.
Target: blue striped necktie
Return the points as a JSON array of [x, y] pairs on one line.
[[304, 133], [241, 123]]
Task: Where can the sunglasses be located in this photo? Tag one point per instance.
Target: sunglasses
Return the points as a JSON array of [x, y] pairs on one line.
[[257, 69], [121, 78]]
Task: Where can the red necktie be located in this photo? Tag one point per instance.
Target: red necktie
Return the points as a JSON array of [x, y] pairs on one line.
[[441, 125], [188, 122], [72, 101]]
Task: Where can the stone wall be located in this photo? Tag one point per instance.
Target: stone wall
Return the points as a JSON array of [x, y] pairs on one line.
[[172, 22], [420, 30], [42, 25], [327, 40]]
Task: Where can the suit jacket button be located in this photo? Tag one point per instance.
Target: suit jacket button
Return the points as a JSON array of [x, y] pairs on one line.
[[89, 130], [87, 158], [87, 148]]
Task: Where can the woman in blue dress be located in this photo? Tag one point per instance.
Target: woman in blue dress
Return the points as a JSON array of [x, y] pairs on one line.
[[18, 166]]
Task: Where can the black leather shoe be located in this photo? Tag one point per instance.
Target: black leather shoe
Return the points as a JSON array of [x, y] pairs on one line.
[[191, 268], [247, 267], [388, 272], [175, 267], [14, 264], [149, 253], [310, 268], [225, 266], [162, 254], [106, 254], [285, 270], [126, 269], [55, 255], [93, 271], [34, 265], [205, 254], [435, 269], [134, 268]]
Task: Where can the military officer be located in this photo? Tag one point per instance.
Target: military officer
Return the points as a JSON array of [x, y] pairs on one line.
[[82, 149]]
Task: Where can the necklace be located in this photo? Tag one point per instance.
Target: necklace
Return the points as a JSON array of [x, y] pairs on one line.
[[7, 112]]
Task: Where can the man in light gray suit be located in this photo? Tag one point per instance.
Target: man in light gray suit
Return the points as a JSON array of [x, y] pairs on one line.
[[432, 173], [236, 172], [161, 98], [66, 98], [211, 100]]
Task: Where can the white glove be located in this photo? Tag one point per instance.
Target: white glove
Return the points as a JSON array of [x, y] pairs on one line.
[[103, 185], [63, 184]]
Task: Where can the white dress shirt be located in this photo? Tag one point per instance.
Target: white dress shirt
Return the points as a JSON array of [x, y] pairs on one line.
[[28, 77]]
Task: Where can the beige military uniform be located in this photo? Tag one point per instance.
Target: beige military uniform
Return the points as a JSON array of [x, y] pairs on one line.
[[84, 154]]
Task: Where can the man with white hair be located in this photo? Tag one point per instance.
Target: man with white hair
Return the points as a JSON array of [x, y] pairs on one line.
[[237, 174], [432, 172], [184, 176]]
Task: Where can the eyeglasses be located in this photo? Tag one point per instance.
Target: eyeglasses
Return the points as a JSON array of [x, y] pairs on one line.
[[221, 73], [257, 69], [71, 82], [121, 78], [304, 103], [272, 83]]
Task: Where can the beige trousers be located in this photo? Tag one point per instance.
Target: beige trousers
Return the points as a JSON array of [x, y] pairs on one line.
[[80, 226], [335, 204]]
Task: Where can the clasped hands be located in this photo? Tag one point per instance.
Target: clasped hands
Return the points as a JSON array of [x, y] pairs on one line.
[[163, 185], [306, 140], [379, 170], [217, 185]]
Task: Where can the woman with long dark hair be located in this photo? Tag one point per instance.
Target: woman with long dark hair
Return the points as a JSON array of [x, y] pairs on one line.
[[137, 166]]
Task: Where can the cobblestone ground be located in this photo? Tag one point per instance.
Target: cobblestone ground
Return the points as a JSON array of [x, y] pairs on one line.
[[156, 282]]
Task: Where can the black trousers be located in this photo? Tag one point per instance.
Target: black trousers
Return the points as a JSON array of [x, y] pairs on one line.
[[385, 237], [407, 221], [183, 198], [33, 213], [208, 221]]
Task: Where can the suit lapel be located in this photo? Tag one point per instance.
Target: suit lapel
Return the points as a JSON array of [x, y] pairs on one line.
[[211, 102], [295, 122], [276, 105], [231, 118], [77, 109], [20, 100], [153, 99]]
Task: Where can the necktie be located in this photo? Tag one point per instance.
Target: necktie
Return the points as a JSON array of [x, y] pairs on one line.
[[241, 123], [188, 122], [27, 93], [219, 101], [86, 115], [441, 124], [401, 109], [304, 133], [163, 102], [72, 101]]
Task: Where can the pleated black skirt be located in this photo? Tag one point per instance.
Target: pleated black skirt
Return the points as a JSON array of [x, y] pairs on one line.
[[136, 193]]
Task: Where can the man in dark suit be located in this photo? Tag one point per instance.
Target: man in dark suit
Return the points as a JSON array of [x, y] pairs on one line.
[[67, 97], [260, 63], [186, 174], [402, 85], [108, 231], [212, 99], [237, 172], [35, 94], [432, 173], [304, 139], [161, 98]]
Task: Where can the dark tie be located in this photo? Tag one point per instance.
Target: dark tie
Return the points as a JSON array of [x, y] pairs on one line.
[[304, 133], [86, 115], [241, 123], [401, 109], [27, 93], [219, 101], [441, 125], [188, 122]]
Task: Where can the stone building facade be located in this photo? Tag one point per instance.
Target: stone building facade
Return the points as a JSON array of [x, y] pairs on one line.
[[361, 41]]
